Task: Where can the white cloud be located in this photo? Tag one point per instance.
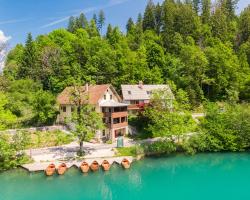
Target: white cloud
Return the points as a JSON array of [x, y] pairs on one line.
[[3, 38], [85, 11], [13, 21], [3, 51]]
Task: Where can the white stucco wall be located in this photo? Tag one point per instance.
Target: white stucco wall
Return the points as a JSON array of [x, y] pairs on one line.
[[108, 93], [64, 115]]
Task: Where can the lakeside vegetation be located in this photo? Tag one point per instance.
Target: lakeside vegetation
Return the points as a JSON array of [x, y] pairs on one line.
[[223, 129], [12, 146], [11, 152], [202, 52]]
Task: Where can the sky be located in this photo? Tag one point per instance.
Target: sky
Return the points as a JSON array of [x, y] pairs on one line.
[[18, 17]]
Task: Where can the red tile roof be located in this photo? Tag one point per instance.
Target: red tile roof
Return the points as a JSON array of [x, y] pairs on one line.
[[95, 92]]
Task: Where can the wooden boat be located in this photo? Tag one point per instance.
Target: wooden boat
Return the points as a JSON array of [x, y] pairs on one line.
[[62, 169], [94, 166], [125, 163], [105, 165], [50, 170], [84, 167]]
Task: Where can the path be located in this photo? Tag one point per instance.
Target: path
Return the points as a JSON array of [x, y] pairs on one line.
[[69, 151]]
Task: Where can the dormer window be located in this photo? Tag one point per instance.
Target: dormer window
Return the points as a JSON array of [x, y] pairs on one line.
[[129, 92]]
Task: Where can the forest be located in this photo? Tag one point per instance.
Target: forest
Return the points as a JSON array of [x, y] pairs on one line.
[[200, 48]]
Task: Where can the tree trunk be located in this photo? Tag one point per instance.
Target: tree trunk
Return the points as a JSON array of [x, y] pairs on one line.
[[81, 147]]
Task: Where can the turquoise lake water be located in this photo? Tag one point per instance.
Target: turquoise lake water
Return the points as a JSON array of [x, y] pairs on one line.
[[203, 176]]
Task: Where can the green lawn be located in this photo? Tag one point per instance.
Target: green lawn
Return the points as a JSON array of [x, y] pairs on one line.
[[49, 138], [129, 151]]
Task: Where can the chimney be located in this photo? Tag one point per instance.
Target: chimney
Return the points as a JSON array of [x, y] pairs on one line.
[[86, 87], [140, 84]]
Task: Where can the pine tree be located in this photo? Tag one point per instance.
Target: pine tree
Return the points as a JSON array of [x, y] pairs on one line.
[[244, 25], [168, 18], [149, 17], [158, 18], [196, 5], [72, 24], [95, 18], [139, 20], [137, 36], [139, 24], [82, 21], [109, 31], [101, 20], [130, 25], [206, 10], [219, 24], [28, 60], [230, 6], [92, 29]]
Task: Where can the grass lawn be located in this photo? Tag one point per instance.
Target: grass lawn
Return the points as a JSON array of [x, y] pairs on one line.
[[49, 138], [129, 151]]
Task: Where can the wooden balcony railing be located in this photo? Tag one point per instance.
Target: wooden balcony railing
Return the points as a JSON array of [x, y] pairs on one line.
[[115, 114], [119, 114], [137, 106], [106, 114], [120, 125]]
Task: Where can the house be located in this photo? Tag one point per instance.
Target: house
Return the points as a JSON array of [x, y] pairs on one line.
[[137, 96], [106, 101]]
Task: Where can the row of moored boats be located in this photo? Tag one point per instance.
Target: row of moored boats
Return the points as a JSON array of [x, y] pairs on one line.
[[85, 167]]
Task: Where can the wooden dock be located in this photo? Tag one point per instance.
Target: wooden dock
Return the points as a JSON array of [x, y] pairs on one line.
[[41, 166]]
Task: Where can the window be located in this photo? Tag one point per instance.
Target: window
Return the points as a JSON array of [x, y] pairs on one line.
[[134, 102], [64, 108], [123, 119], [103, 133], [104, 97], [103, 110], [116, 120], [111, 97], [148, 92], [72, 109], [129, 92]]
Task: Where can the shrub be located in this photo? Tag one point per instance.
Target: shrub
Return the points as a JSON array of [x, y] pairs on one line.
[[225, 129], [160, 147], [10, 154], [130, 151]]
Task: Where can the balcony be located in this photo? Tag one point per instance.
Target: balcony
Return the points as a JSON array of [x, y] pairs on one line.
[[115, 114], [106, 114], [119, 114], [120, 125], [133, 107], [137, 106]]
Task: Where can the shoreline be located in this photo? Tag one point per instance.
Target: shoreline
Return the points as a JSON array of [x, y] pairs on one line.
[[41, 166]]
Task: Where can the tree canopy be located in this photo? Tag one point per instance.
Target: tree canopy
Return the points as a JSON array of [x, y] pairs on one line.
[[203, 49]]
